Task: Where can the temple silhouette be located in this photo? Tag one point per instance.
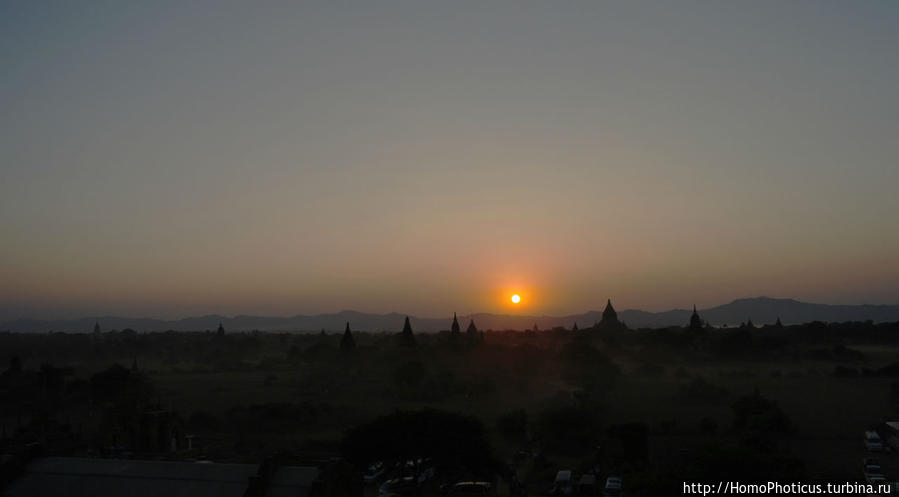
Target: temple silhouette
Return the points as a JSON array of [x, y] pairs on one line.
[[405, 337], [609, 319], [696, 323], [347, 343], [472, 330]]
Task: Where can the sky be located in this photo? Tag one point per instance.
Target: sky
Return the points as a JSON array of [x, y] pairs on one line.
[[173, 158]]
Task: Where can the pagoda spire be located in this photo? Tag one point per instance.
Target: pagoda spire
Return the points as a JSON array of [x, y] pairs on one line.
[[406, 336], [609, 316], [695, 321], [347, 343]]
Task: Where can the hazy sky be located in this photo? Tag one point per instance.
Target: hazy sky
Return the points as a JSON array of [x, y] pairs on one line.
[[176, 158]]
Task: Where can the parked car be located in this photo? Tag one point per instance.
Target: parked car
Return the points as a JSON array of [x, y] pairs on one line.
[[401, 486], [873, 441], [562, 485], [613, 487], [872, 465], [586, 486], [373, 472], [875, 479], [469, 489]]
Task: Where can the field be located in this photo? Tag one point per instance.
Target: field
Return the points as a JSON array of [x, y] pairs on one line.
[[244, 395]]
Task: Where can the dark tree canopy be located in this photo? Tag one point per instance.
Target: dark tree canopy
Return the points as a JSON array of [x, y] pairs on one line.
[[409, 374], [117, 382], [761, 422], [585, 366]]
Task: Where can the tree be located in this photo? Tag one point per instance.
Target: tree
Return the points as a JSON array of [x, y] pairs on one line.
[[570, 429], [760, 422], [118, 384], [513, 426], [15, 367], [409, 374], [587, 367]]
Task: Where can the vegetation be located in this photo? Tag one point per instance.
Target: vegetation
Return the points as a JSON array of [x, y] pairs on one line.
[[651, 405]]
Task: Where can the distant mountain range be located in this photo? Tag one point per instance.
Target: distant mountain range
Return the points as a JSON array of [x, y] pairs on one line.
[[761, 310]]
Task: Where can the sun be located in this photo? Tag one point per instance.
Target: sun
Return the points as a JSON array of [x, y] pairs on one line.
[[515, 298]]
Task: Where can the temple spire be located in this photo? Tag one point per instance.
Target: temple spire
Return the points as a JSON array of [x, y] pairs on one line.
[[455, 327], [695, 321], [406, 337], [347, 343], [609, 317]]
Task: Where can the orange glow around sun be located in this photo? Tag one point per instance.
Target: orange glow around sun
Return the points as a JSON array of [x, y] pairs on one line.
[[514, 297]]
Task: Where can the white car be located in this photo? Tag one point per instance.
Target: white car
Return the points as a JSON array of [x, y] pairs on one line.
[[873, 478], [562, 484], [873, 441], [373, 472], [398, 485], [613, 487]]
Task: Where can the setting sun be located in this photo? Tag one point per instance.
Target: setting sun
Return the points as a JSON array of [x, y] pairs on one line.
[[516, 299]]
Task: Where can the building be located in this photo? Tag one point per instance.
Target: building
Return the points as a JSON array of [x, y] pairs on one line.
[[696, 323], [407, 339], [609, 319], [454, 329]]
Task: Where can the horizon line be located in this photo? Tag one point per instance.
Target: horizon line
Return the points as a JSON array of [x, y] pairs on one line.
[[413, 316]]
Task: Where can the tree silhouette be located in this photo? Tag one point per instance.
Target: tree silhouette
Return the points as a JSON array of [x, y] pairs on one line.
[[409, 374], [760, 422], [587, 367]]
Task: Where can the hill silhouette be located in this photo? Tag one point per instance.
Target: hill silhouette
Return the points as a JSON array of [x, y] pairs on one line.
[[762, 310]]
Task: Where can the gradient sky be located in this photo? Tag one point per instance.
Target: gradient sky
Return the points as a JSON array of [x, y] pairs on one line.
[[178, 158]]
